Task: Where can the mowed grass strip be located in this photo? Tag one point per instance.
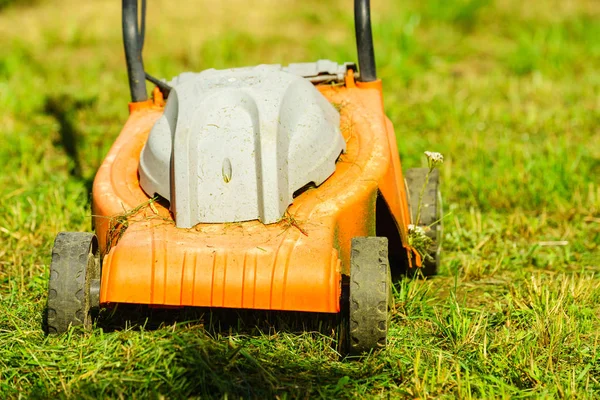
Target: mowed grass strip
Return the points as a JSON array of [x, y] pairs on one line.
[[507, 90]]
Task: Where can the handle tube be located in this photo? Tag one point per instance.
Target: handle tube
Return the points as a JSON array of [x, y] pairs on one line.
[[133, 51], [133, 42], [364, 41]]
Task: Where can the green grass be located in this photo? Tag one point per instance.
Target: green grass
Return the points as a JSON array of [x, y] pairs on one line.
[[507, 90]]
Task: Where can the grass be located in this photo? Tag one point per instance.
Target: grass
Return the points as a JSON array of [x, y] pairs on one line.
[[507, 90]]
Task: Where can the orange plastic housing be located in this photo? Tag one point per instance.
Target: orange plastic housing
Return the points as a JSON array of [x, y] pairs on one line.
[[295, 264]]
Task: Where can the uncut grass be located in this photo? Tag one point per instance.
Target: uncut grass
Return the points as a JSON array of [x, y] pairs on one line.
[[506, 90]]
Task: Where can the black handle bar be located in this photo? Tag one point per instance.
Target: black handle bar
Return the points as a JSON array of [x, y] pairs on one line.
[[364, 40], [133, 51], [133, 40]]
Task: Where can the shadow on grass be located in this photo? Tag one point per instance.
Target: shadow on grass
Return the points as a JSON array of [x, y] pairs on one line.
[[63, 108], [247, 353], [215, 321], [214, 353]]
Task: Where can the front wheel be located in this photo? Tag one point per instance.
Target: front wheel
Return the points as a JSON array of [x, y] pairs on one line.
[[369, 295], [74, 280]]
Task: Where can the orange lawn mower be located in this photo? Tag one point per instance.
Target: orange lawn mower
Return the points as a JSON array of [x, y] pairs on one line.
[[268, 187]]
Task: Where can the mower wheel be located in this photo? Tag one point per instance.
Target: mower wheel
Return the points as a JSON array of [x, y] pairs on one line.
[[431, 213], [74, 281], [369, 294]]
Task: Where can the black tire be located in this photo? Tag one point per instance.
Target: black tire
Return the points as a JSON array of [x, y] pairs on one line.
[[369, 295], [431, 212], [74, 268]]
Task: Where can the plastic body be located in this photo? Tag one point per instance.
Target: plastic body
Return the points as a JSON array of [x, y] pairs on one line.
[[234, 145], [295, 264]]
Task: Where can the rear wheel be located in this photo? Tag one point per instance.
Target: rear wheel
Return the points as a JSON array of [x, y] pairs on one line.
[[74, 281], [369, 295], [431, 213]]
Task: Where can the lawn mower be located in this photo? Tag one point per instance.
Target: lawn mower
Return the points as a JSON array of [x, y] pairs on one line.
[[267, 187]]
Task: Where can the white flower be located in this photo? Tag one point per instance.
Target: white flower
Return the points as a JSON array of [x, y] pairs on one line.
[[434, 157], [416, 229]]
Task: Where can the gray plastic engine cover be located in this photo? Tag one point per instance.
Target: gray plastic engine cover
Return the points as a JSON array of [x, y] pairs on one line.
[[234, 145]]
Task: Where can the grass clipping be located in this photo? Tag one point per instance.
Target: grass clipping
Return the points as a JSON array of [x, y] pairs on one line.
[[119, 223]]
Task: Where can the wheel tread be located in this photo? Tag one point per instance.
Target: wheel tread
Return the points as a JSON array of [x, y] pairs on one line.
[[66, 286], [369, 287]]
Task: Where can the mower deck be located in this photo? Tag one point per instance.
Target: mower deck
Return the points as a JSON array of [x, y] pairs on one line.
[[295, 264]]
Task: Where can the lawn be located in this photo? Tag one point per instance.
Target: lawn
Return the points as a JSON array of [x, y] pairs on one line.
[[507, 90]]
